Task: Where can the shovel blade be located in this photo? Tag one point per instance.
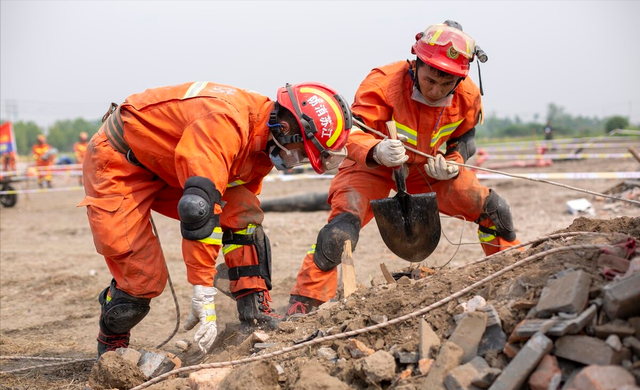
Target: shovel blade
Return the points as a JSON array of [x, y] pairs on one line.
[[409, 224]]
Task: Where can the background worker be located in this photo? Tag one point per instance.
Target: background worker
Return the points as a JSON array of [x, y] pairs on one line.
[[9, 162], [44, 156], [80, 149], [433, 103], [198, 152]]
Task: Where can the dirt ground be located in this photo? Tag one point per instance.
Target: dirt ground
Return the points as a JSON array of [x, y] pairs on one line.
[[50, 274]]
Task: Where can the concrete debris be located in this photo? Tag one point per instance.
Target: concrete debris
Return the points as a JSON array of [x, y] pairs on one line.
[[468, 334], [155, 363], [602, 378], [449, 357], [208, 379], [429, 340], [568, 294], [379, 366], [358, 349], [524, 363], [572, 330], [621, 297]]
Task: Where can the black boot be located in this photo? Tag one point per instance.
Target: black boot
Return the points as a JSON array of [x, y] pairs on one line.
[[254, 309], [299, 306]]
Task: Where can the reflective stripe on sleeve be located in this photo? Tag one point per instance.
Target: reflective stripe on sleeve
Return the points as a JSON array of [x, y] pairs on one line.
[[195, 89]]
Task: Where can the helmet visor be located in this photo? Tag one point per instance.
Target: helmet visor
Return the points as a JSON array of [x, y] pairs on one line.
[[293, 157], [332, 159], [441, 35]]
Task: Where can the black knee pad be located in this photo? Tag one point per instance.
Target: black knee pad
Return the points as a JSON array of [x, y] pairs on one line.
[[122, 311], [498, 211], [332, 237], [196, 208]]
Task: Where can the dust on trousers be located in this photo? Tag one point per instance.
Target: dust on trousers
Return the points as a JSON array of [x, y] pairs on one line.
[[355, 186]]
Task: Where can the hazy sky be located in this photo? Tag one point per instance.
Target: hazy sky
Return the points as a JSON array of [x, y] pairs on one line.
[[69, 59]]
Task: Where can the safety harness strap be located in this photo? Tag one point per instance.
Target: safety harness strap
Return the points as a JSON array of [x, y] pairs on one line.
[[114, 130], [236, 273], [238, 239]]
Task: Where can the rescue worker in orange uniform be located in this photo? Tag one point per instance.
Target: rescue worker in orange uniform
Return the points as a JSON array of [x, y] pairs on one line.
[[44, 156], [198, 153], [80, 149], [9, 162], [433, 103]]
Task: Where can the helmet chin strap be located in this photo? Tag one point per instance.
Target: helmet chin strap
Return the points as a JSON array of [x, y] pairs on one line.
[[279, 136]]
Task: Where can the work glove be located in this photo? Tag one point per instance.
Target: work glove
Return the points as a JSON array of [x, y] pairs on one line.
[[390, 152], [203, 310], [439, 169]]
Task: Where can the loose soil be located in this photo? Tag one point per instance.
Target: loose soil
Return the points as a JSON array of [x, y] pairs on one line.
[[50, 277]]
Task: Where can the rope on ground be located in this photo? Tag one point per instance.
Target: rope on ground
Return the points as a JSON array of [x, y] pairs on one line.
[[62, 363], [535, 241], [377, 326], [503, 173]]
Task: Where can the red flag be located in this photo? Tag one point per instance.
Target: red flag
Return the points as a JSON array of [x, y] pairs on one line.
[[7, 139]]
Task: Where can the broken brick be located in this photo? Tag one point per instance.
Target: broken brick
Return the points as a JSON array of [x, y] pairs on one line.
[[547, 375], [493, 339], [468, 334], [621, 297], [602, 378], [568, 293], [518, 370], [587, 350], [428, 339], [618, 327], [448, 358]]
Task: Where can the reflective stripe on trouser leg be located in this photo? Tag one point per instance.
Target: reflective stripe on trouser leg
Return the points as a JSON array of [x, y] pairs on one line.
[[492, 243]]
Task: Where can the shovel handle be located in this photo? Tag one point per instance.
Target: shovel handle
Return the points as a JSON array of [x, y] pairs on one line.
[[401, 185]]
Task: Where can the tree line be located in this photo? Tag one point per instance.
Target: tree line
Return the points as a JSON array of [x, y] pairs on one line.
[[564, 126], [64, 133]]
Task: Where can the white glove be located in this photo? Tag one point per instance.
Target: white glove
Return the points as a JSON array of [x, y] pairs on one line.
[[390, 152], [440, 170], [203, 310]]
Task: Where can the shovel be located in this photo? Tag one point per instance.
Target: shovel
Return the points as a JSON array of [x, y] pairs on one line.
[[409, 224]]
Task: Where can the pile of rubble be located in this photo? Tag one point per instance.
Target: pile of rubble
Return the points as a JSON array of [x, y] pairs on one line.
[[571, 321]]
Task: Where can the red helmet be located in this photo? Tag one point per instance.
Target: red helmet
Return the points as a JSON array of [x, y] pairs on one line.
[[324, 118], [445, 48]]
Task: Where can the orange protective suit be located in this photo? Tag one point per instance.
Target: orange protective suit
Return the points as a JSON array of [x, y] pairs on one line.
[[79, 150], [43, 161], [195, 129], [384, 95]]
